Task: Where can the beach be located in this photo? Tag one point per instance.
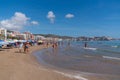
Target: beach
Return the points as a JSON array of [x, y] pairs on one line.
[[20, 66], [68, 63]]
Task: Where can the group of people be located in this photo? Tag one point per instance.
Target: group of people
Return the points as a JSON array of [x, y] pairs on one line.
[[55, 45], [25, 46]]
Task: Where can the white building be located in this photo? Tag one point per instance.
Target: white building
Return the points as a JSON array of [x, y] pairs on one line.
[[38, 37], [3, 33], [21, 36]]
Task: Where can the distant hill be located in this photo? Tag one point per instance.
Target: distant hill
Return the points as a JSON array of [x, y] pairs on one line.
[[55, 36]]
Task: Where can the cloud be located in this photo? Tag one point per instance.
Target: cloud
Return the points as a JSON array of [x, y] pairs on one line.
[[51, 16], [69, 16], [34, 23], [16, 22]]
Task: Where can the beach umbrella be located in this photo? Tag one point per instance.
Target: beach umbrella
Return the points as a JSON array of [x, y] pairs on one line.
[[22, 41], [15, 40], [3, 42], [10, 41], [29, 40], [40, 41]]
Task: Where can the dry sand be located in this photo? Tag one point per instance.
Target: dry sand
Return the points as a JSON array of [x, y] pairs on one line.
[[20, 66]]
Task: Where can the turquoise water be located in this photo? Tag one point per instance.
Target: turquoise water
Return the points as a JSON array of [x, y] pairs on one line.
[[100, 57]]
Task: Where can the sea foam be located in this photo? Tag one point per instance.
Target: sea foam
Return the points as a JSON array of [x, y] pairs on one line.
[[108, 57], [114, 46], [76, 76], [90, 48]]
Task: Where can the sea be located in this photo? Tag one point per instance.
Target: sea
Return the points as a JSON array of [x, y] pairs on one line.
[[99, 60]]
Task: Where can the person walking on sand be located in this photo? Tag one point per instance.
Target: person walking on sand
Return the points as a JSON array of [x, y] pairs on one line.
[[20, 47], [26, 47]]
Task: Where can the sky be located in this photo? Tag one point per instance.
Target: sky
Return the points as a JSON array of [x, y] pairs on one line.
[[62, 17]]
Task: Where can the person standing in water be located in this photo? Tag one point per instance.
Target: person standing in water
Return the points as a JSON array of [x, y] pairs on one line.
[[55, 47], [47, 44], [69, 44], [85, 45]]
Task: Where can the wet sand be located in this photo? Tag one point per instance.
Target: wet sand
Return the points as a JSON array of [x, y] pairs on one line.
[[20, 66]]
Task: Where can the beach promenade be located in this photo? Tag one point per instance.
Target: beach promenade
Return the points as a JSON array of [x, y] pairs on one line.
[[20, 66]]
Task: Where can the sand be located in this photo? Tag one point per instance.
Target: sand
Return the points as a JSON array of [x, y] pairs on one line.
[[20, 66]]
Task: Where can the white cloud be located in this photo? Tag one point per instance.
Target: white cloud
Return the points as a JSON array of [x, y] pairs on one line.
[[16, 22], [51, 16], [69, 16], [34, 23]]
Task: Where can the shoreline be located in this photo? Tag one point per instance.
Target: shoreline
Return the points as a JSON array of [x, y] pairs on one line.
[[19, 66], [74, 74], [56, 70]]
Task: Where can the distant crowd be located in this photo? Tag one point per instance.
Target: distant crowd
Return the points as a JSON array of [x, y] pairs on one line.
[[24, 46]]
